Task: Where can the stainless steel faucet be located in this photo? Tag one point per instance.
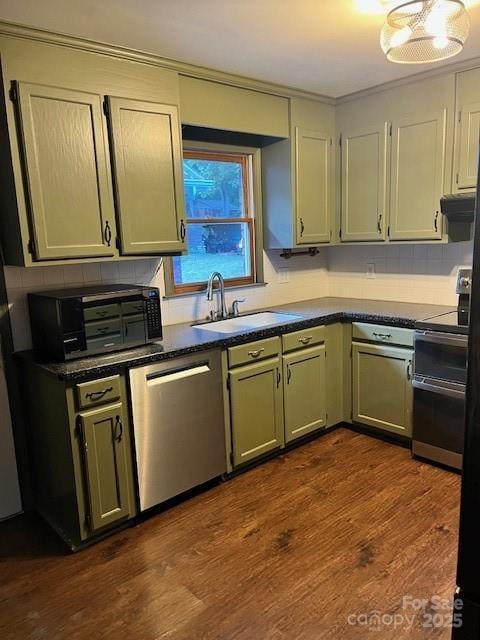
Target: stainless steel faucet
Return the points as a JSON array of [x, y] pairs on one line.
[[221, 304]]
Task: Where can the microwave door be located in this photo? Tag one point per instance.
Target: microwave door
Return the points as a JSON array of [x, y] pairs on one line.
[[134, 330]]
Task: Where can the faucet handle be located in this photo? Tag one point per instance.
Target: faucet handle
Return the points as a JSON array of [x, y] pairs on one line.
[[235, 303]]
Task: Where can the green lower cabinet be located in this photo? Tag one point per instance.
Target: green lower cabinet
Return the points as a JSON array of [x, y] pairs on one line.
[[304, 392], [82, 453], [256, 407], [106, 465], [382, 389]]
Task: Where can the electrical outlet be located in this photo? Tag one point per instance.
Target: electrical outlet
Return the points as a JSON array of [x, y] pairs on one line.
[[371, 274], [283, 275]]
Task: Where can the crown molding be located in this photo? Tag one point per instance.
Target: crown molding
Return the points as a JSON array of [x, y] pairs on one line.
[[11, 29], [15, 30], [454, 67]]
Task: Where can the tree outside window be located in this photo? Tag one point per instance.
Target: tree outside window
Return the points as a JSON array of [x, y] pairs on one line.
[[219, 221]]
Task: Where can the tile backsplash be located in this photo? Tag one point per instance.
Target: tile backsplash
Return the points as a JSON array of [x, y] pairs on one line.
[[407, 273], [413, 273], [291, 280]]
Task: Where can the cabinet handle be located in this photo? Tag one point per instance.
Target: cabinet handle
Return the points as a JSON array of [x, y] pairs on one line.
[[103, 330], [279, 378], [107, 234], [255, 353], [379, 223], [384, 336], [435, 221], [302, 227], [289, 374], [305, 339], [118, 423], [409, 370], [182, 230], [96, 395]]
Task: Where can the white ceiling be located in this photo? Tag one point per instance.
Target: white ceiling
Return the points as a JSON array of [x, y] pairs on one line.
[[326, 46]]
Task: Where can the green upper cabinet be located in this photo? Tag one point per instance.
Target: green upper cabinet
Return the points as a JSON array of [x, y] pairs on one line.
[[298, 179], [70, 192], [147, 172], [67, 179], [467, 132], [106, 465], [256, 406], [365, 163], [304, 380], [313, 166], [382, 389], [417, 176]]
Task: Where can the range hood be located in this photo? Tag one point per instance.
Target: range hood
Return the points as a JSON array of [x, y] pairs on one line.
[[458, 207]]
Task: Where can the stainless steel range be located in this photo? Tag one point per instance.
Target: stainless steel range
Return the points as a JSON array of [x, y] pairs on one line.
[[439, 381]]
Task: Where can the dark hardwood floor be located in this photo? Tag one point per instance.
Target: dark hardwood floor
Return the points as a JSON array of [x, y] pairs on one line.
[[294, 549]]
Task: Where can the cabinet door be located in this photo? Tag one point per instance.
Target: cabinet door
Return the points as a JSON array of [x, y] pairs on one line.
[[382, 390], [256, 404], [65, 157], [313, 167], [418, 169], [468, 145], [304, 383], [106, 465], [147, 167], [365, 165]]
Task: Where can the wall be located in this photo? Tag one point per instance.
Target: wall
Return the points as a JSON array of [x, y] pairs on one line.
[[307, 278], [412, 273]]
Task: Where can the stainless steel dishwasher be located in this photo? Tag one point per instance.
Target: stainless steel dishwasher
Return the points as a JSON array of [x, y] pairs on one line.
[[178, 422]]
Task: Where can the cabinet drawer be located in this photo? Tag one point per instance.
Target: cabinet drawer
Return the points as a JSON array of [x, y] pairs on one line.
[[101, 312], [103, 328], [134, 306], [96, 392], [303, 338], [253, 351], [381, 333]]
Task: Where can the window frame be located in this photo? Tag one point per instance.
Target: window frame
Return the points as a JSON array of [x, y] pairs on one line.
[[251, 162]]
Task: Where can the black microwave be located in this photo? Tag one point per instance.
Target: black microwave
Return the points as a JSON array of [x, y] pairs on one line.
[[73, 323]]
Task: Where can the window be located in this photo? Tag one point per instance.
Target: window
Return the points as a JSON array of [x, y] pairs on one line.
[[220, 223]]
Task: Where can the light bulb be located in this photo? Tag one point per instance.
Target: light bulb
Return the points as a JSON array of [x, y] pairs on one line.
[[440, 42], [401, 36], [436, 21]]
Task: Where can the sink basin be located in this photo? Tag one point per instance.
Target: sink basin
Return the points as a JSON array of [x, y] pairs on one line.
[[245, 323]]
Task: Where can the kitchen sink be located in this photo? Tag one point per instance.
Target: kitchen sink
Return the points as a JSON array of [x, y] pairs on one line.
[[249, 322]]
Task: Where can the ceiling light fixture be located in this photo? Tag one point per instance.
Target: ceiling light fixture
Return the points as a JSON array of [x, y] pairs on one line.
[[422, 31]]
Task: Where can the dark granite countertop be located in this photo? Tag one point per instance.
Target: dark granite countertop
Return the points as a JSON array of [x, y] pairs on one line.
[[182, 339]]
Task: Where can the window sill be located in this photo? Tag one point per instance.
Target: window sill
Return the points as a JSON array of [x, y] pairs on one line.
[[172, 296]]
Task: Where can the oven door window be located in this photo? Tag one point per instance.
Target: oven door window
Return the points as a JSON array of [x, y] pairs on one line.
[[439, 355]]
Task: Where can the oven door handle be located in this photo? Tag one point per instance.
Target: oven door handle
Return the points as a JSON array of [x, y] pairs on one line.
[[443, 388], [437, 337]]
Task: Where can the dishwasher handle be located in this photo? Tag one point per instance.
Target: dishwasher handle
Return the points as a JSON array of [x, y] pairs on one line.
[[173, 374]]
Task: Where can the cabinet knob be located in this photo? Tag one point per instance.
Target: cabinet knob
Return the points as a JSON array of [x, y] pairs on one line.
[[302, 227], [182, 230]]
